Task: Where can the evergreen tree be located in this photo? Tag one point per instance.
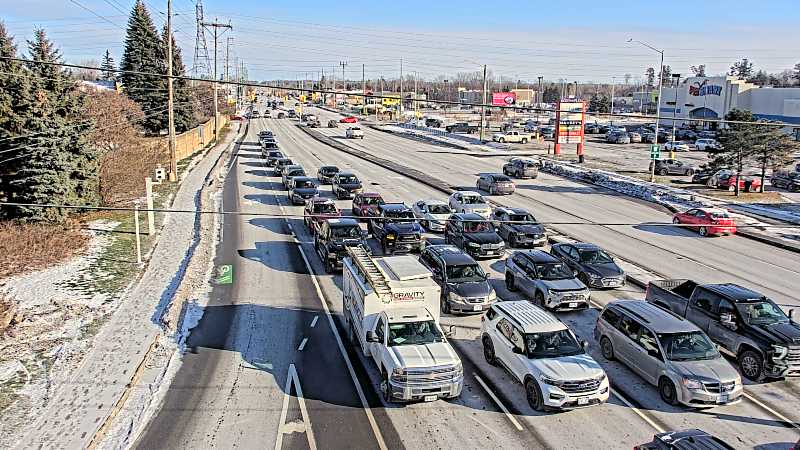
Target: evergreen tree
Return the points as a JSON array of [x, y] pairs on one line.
[[742, 69], [699, 71], [107, 67], [796, 74], [650, 76], [144, 52], [600, 103], [59, 166], [738, 140], [550, 94], [760, 78], [182, 93]]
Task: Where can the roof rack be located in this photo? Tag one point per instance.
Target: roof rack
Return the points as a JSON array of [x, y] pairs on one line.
[[371, 272]]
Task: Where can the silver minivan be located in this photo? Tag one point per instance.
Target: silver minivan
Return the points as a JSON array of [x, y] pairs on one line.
[[669, 352]]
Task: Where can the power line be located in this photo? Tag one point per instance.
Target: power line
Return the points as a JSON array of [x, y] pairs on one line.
[[98, 15]]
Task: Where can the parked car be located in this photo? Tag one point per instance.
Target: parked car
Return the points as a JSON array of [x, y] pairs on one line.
[[677, 146], [685, 135], [432, 214], [618, 137], [348, 119], [512, 136], [301, 188], [325, 174], [289, 172], [495, 183], [354, 133], [521, 168], [464, 284], [469, 202], [333, 123], [433, 123], [547, 132], [475, 235], [272, 157], [396, 229], [333, 238], [635, 137], [544, 355], [345, 185], [708, 145], [593, 266], [744, 323], [545, 279], [280, 164], [650, 137], [685, 440], [317, 210], [671, 167], [726, 179], [461, 127], [702, 176], [365, 204], [707, 221], [518, 228], [786, 180], [592, 128]]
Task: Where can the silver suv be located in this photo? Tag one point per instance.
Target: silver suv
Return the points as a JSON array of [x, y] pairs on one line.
[[667, 351], [546, 279], [543, 354]]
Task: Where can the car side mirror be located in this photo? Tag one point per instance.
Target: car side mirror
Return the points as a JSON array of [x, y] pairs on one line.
[[574, 273], [791, 314], [451, 331], [726, 319], [372, 337], [584, 344], [517, 350]]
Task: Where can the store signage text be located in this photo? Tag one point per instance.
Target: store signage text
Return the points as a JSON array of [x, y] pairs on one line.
[[701, 89]]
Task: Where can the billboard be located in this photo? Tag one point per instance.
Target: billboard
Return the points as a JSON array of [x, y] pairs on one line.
[[504, 98]]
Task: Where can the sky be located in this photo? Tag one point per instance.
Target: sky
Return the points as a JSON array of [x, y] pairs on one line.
[[579, 40]]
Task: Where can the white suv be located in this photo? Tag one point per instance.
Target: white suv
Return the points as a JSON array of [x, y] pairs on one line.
[[543, 354]]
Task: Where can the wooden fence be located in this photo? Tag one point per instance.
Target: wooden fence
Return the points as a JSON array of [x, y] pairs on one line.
[[191, 141]]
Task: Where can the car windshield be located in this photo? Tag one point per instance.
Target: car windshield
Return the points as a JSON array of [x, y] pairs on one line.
[[761, 312], [414, 333], [521, 218], [472, 200], [346, 232], [296, 173], [553, 271], [595, 257], [372, 201], [350, 179], [691, 346], [285, 162], [324, 208], [477, 227], [466, 272], [552, 345], [302, 184], [399, 214], [330, 170], [275, 155], [439, 209]]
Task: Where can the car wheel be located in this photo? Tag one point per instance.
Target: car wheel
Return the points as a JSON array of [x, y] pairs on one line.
[[662, 172], [689, 172], [491, 190], [510, 283], [445, 305], [676, 221], [534, 394], [607, 348], [751, 364], [666, 389], [539, 299], [501, 140], [703, 231], [512, 241], [488, 351]]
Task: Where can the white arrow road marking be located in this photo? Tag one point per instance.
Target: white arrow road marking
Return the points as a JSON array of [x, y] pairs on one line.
[[314, 322], [283, 427]]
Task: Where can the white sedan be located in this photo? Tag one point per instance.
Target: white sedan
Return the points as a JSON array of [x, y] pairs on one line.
[[469, 202], [432, 214], [677, 146]]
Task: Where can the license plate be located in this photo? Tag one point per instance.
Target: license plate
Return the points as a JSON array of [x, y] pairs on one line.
[[723, 398], [573, 305], [476, 307], [583, 400], [429, 398]]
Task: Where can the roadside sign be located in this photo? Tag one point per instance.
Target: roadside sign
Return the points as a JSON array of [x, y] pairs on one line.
[[655, 151], [225, 274]]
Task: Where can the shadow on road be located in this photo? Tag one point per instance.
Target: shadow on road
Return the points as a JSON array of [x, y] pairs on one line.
[[665, 230]]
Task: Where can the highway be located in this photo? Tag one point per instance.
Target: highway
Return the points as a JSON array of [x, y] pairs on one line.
[[273, 321]]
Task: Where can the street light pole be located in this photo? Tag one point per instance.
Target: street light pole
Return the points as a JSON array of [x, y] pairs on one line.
[[483, 104], [658, 103]]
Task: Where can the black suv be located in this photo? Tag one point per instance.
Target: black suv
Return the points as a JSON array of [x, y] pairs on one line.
[[345, 185], [786, 180], [396, 228], [475, 235], [685, 440], [464, 284], [272, 157], [518, 228], [593, 266], [332, 238]]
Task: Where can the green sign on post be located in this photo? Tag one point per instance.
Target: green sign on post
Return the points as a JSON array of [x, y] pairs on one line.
[[225, 274], [655, 151]]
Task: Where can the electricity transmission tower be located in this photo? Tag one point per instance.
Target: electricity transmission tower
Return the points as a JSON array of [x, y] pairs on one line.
[[202, 63]]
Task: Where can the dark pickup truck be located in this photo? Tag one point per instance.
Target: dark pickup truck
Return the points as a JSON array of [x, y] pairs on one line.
[[744, 323], [461, 127]]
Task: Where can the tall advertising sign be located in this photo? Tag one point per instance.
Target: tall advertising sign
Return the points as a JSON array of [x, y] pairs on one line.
[[570, 121], [504, 99]]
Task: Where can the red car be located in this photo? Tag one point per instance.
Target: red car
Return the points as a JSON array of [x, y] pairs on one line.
[[707, 221], [349, 119], [317, 210], [366, 204], [237, 117], [726, 179]]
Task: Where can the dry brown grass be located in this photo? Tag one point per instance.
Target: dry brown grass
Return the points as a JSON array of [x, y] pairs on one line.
[[27, 247]]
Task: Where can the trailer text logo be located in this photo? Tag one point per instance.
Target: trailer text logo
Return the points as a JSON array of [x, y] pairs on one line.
[[701, 89], [405, 296]]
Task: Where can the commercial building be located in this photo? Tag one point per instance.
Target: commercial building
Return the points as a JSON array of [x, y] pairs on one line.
[[714, 97], [525, 97]]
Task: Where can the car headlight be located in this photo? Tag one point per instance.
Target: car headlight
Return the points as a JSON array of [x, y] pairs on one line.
[[473, 244], [459, 369], [551, 381], [456, 298], [390, 237], [601, 377], [592, 275], [492, 296], [693, 385], [398, 374], [779, 352]]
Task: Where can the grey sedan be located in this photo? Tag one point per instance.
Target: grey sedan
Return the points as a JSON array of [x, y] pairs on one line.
[[495, 183]]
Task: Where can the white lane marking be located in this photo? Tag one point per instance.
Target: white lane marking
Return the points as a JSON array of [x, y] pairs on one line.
[[314, 322], [772, 411], [292, 378], [364, 405], [638, 412], [510, 417], [302, 344]]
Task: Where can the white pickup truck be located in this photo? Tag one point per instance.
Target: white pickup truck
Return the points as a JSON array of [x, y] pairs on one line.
[[512, 136], [354, 133], [391, 307]]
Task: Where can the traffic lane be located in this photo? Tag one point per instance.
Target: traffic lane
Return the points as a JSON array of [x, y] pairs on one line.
[[420, 424], [768, 269]]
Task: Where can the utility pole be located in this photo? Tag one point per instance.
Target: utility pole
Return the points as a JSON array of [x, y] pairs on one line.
[[364, 87], [483, 104], [416, 105], [173, 152], [323, 87], [227, 58], [613, 82], [344, 83], [401, 89], [216, 26]]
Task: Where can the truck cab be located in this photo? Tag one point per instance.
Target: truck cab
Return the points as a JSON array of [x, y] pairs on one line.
[[391, 310], [396, 228], [332, 239]]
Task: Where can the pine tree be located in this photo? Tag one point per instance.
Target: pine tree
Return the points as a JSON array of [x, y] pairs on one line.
[[737, 140], [107, 67], [182, 93], [59, 166], [742, 69], [144, 52]]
